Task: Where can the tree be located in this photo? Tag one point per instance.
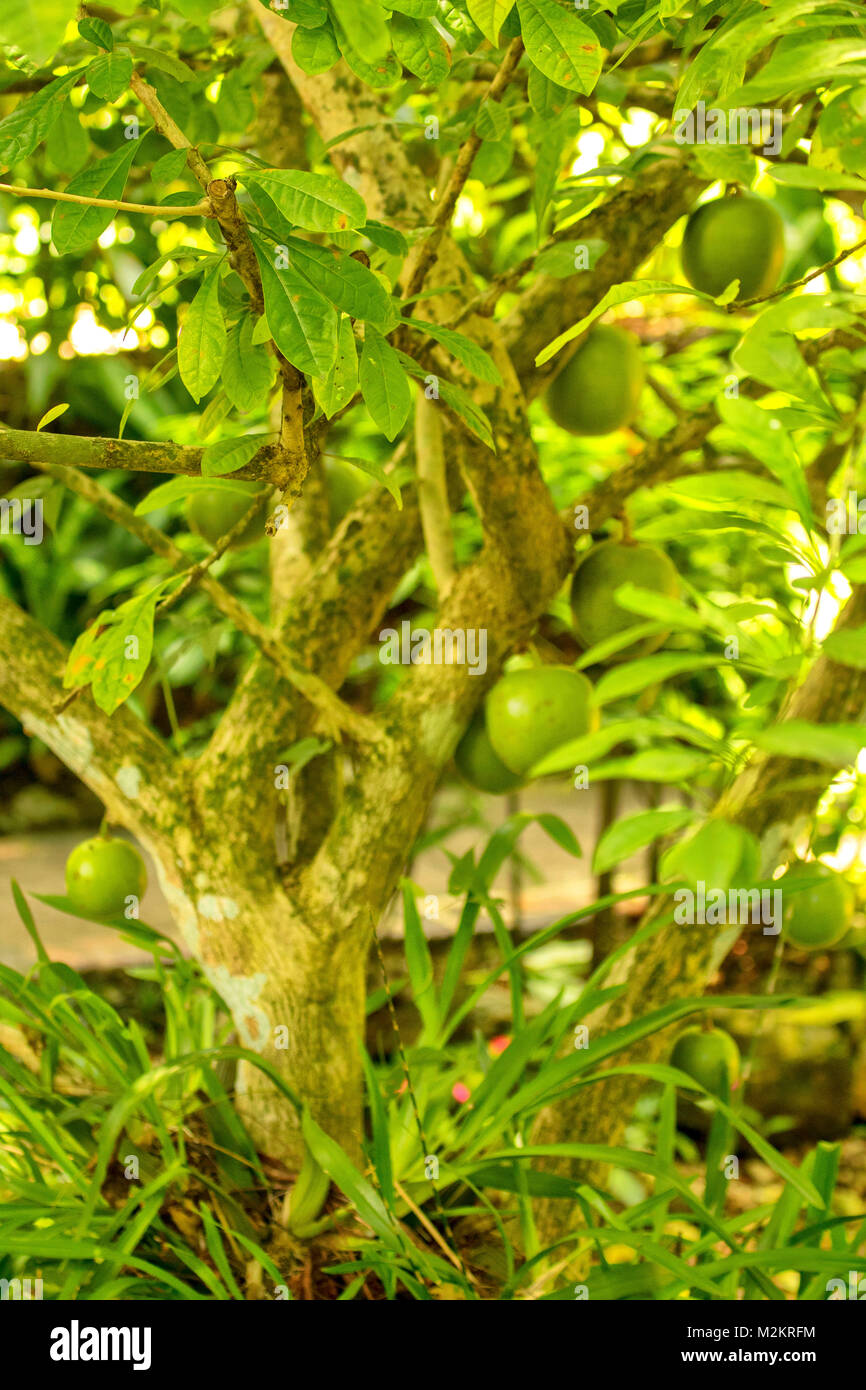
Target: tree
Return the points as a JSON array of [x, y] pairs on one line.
[[329, 275]]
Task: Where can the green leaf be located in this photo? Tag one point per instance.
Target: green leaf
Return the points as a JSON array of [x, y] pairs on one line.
[[169, 167], [316, 202], [632, 833], [807, 176], [764, 436], [345, 282], [475, 358], [303, 323], [389, 239], [560, 44], [202, 342], [769, 353], [634, 676], [23, 129], [364, 24], [108, 77], [67, 144], [382, 1163], [455, 398], [74, 226], [848, 646], [308, 13], [36, 27], [386, 391], [113, 654], [304, 751], [668, 763], [97, 32], [418, 960], [315, 50], [416, 9], [179, 489], [548, 163], [619, 294], [389, 481], [247, 370], [837, 745], [339, 386], [379, 74], [53, 414], [352, 1184], [489, 15], [650, 604], [717, 854], [420, 48], [229, 455], [164, 62]]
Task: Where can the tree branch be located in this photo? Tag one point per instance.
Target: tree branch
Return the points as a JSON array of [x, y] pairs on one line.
[[433, 492], [201, 209], [78, 451]]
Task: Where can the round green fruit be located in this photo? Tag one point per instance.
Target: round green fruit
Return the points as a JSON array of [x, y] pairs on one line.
[[820, 915], [346, 485], [531, 712], [211, 512], [479, 764], [600, 573], [734, 239], [709, 1057], [102, 873], [598, 389]]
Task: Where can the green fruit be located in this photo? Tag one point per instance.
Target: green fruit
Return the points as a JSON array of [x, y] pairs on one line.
[[818, 916], [102, 873], [598, 389], [346, 485], [708, 1057], [597, 615], [479, 764], [211, 512], [531, 712], [734, 239]]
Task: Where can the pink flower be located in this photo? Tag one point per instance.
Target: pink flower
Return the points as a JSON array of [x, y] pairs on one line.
[[460, 1092]]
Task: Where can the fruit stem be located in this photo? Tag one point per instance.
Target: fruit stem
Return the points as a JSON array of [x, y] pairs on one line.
[[627, 537]]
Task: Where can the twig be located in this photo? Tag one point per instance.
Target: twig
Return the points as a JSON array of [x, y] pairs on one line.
[[426, 249], [795, 284], [202, 209], [224, 543], [665, 397]]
